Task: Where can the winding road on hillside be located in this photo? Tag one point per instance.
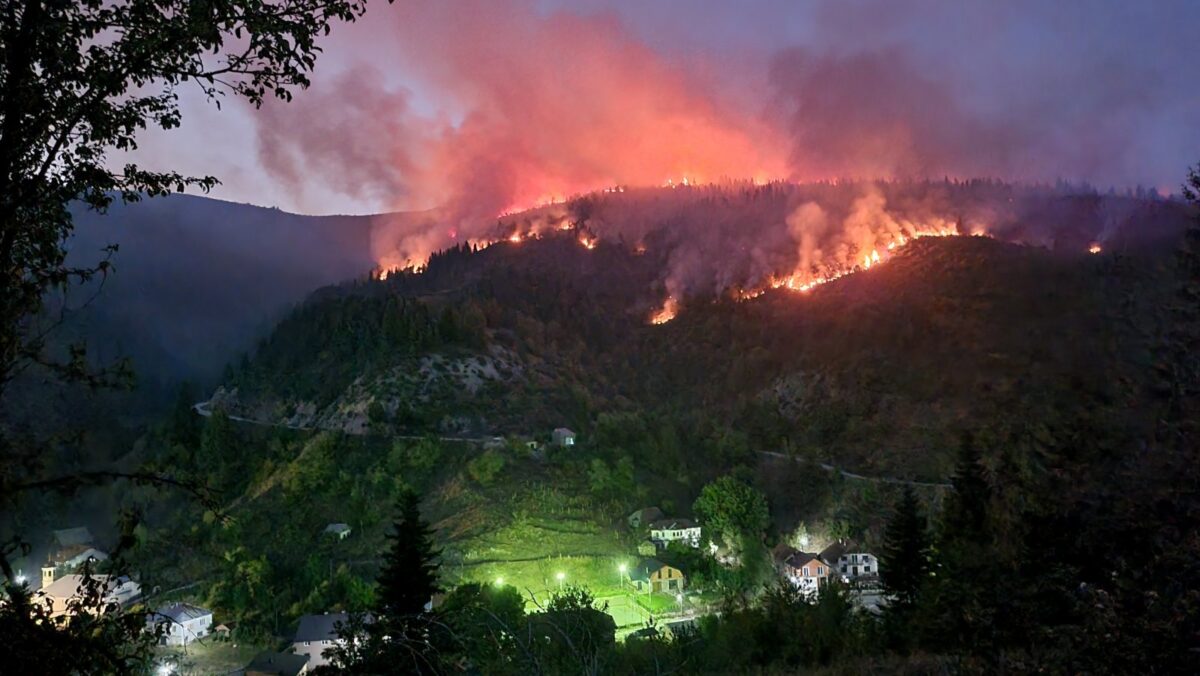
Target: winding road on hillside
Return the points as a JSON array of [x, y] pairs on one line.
[[203, 409]]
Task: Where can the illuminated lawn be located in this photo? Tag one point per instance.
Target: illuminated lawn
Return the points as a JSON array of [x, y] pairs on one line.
[[532, 554], [209, 656]]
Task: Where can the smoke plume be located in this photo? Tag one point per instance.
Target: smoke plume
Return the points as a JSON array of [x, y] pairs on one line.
[[511, 107]]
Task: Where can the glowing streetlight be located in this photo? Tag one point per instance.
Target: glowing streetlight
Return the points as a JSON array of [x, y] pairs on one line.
[[560, 577], [621, 568], [499, 582], [679, 600]]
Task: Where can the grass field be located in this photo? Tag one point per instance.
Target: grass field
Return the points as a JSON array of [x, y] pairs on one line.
[[208, 657], [539, 556]]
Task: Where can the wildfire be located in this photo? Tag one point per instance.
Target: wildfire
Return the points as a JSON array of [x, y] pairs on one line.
[[1095, 248], [587, 242], [667, 312], [803, 283]]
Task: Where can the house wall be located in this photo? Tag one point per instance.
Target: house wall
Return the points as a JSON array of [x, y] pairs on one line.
[[189, 631], [313, 649], [667, 579]]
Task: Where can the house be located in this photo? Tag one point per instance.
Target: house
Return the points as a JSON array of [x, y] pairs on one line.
[[563, 437], [69, 549], [644, 516], [269, 663], [61, 593], [851, 561], [652, 575], [647, 547], [69, 560], [665, 531], [805, 570], [183, 623], [339, 530], [73, 537], [316, 634]]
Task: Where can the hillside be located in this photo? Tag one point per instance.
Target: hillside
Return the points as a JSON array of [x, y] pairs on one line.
[[880, 370]]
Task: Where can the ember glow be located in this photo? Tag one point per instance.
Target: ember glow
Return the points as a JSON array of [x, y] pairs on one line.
[[665, 313], [1095, 249]]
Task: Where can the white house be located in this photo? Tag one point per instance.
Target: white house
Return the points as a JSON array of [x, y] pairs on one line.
[[665, 531], [183, 623], [563, 437], [316, 634], [851, 561], [339, 530], [69, 588]]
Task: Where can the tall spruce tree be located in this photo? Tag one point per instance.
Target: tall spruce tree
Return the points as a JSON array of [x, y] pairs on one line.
[[409, 576], [962, 599], [905, 556]]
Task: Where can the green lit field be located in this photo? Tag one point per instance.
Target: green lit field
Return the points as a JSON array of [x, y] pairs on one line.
[[208, 657], [538, 556]]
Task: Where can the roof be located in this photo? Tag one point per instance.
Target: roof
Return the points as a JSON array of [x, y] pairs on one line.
[[644, 567], [80, 535], [68, 586], [673, 524], [782, 552], [833, 552], [319, 627], [83, 554], [563, 430], [798, 559], [182, 612], [284, 664], [337, 528]]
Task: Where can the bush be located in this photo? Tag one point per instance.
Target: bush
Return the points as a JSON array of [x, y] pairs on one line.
[[485, 468]]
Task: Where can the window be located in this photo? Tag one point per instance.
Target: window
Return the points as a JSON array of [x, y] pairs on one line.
[[806, 571], [307, 643]]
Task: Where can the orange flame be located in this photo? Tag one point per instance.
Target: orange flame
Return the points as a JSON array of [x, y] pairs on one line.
[[666, 313], [1095, 248]]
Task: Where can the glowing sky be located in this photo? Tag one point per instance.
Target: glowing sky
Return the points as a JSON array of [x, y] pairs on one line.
[[509, 100]]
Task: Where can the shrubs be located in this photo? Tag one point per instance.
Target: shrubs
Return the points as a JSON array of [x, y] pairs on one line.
[[486, 467]]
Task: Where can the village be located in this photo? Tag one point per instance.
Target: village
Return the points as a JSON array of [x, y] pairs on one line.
[[656, 592]]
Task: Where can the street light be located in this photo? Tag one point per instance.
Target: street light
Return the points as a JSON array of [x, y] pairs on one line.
[[560, 577], [499, 582], [622, 568], [679, 600]]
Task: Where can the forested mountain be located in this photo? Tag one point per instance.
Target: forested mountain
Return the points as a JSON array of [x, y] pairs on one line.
[[880, 370]]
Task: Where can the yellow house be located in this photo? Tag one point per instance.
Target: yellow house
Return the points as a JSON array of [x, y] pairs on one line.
[[654, 575]]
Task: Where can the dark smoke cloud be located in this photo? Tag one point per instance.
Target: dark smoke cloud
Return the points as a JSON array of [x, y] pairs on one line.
[[876, 115]]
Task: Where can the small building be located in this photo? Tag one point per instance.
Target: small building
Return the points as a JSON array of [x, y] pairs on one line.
[[69, 589], [666, 531], [340, 531], [268, 663], [647, 547], [182, 623], [316, 634], [851, 561], [805, 570], [652, 575], [644, 516], [563, 437], [72, 537]]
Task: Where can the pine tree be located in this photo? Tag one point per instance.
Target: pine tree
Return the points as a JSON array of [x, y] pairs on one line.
[[905, 562], [409, 576], [963, 596]]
